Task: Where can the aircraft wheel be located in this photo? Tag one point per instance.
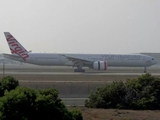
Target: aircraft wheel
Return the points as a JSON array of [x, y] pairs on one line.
[[79, 70]]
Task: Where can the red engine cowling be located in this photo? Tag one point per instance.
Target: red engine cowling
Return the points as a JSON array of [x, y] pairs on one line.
[[100, 65]]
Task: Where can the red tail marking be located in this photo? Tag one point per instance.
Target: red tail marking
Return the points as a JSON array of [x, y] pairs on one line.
[[16, 48]]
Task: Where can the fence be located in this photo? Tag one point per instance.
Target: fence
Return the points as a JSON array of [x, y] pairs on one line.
[[67, 89]]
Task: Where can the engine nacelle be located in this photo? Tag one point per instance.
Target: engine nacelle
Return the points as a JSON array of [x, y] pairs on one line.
[[100, 65]]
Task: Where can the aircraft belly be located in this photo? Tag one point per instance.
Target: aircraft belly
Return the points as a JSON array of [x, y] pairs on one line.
[[126, 63], [48, 62], [68, 63]]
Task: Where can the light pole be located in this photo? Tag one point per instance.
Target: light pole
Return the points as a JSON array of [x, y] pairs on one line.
[[3, 68]]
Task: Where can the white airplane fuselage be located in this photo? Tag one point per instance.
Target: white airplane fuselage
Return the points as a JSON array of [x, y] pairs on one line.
[[113, 60]]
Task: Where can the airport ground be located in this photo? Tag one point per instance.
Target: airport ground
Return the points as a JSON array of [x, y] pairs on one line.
[[70, 84], [74, 88]]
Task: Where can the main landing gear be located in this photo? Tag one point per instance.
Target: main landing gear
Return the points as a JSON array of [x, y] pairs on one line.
[[79, 69]]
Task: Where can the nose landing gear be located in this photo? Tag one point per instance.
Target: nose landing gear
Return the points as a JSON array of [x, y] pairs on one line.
[[145, 69]]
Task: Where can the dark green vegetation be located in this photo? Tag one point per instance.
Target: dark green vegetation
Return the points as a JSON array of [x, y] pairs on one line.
[[141, 93], [21, 103], [8, 83]]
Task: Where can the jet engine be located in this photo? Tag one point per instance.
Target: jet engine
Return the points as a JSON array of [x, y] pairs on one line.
[[100, 65]]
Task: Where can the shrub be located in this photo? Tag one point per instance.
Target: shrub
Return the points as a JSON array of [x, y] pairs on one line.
[[140, 93], [49, 106], [108, 96], [147, 92], [28, 104], [8, 83], [77, 114], [18, 104]]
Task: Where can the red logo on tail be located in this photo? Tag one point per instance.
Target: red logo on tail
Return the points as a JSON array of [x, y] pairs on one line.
[[16, 48]]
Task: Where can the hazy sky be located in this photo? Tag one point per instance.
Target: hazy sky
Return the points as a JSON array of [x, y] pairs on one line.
[[82, 26]]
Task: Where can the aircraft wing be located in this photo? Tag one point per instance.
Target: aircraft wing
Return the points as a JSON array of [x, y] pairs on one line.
[[78, 61]]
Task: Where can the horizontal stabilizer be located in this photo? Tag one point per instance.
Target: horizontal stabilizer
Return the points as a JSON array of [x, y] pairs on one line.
[[13, 57]]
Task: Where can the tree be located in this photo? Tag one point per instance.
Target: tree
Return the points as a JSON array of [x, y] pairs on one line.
[[8, 83], [109, 96], [49, 106], [147, 92], [140, 93], [28, 104]]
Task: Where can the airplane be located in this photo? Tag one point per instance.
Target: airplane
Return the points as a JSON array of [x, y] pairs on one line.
[[92, 61]]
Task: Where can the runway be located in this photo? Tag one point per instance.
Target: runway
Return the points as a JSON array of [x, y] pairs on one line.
[[28, 69], [75, 73]]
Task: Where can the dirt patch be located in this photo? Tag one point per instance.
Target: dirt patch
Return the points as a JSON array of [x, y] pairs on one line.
[[116, 114]]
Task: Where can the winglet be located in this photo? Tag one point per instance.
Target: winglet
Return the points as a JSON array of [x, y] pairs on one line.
[[15, 47]]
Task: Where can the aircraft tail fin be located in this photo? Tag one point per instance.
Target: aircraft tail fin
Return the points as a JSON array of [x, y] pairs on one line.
[[15, 47]]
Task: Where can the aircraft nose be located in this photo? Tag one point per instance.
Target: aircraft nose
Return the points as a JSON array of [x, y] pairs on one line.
[[155, 62]]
